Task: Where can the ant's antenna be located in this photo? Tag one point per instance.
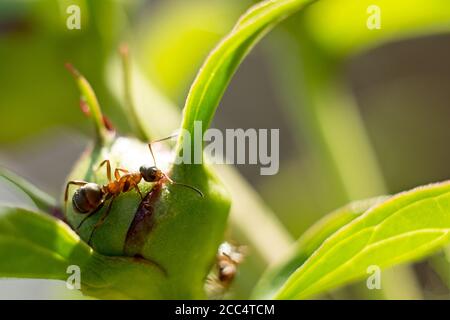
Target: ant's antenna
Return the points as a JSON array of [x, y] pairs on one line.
[[151, 151], [159, 140], [82, 222], [190, 187], [166, 138], [186, 185], [170, 180]]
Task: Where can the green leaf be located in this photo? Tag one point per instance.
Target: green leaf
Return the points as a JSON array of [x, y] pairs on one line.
[[41, 199], [312, 239], [34, 245], [404, 228], [222, 62], [340, 27]]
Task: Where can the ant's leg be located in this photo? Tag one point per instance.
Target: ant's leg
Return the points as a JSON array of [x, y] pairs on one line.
[[108, 168], [101, 220], [66, 192], [117, 174], [75, 183], [139, 191], [186, 186], [85, 218]]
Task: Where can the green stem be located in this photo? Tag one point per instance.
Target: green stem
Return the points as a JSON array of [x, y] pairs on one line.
[[128, 93], [89, 96], [340, 134]]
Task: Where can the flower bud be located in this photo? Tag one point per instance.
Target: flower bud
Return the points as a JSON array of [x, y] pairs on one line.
[[171, 226]]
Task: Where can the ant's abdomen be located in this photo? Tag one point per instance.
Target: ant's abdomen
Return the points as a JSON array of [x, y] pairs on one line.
[[87, 198]]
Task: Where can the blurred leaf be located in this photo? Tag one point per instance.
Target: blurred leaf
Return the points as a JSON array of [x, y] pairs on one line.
[[441, 265], [41, 199], [177, 37], [321, 38], [37, 93], [402, 229], [34, 245], [150, 105], [308, 243], [37, 246], [309, 64], [340, 26]]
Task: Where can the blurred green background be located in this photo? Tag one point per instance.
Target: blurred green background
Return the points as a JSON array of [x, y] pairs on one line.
[[328, 83]]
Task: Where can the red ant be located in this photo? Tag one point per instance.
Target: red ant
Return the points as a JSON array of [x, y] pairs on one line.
[[90, 196], [228, 258]]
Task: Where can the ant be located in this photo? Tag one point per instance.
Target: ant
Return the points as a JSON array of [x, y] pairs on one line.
[[91, 196], [228, 258]]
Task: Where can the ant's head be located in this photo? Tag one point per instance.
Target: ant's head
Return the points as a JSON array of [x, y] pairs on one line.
[[87, 198], [151, 174]]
